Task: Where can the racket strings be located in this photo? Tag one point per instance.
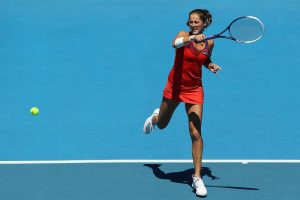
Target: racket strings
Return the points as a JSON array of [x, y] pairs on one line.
[[246, 29]]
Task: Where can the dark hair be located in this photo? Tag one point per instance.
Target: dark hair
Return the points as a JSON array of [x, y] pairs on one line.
[[204, 15]]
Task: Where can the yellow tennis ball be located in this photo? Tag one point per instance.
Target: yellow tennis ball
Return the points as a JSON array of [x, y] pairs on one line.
[[34, 111]]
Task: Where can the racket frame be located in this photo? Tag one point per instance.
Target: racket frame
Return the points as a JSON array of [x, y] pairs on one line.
[[219, 35]]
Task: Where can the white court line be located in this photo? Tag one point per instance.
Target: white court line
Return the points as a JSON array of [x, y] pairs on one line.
[[139, 161]]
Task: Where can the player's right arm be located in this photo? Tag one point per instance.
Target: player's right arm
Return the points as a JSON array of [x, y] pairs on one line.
[[184, 38], [181, 39]]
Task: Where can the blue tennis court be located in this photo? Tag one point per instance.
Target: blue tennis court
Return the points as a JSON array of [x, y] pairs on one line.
[[148, 181], [96, 69]]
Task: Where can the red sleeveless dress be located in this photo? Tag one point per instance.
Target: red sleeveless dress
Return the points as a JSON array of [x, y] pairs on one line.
[[185, 78]]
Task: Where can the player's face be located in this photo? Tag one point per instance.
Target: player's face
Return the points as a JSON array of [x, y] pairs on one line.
[[196, 24]]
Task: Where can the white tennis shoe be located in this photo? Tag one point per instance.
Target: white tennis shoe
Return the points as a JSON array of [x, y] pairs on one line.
[[199, 186], [149, 126]]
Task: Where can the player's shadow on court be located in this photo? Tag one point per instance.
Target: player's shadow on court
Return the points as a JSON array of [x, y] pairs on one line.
[[185, 177]]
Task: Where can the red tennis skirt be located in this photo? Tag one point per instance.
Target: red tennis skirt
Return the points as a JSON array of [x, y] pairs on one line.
[[191, 95]]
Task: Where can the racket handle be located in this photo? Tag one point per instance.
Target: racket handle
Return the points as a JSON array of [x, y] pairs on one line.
[[210, 37]]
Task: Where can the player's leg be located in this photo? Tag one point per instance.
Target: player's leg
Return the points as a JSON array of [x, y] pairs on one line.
[[194, 112], [166, 111], [162, 116]]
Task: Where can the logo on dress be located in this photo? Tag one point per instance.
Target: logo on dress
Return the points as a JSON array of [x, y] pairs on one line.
[[205, 52]]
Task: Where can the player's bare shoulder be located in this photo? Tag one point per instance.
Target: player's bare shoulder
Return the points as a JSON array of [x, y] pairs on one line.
[[210, 43], [182, 34]]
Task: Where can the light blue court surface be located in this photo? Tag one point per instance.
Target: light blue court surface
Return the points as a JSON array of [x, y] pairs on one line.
[[97, 69]]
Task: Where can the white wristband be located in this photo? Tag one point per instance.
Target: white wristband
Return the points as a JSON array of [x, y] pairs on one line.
[[179, 42]]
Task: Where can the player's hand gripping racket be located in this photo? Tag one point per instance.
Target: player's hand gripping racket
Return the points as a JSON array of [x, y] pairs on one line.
[[245, 29]]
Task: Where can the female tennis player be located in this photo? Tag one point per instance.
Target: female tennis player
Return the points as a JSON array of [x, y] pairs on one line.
[[184, 84]]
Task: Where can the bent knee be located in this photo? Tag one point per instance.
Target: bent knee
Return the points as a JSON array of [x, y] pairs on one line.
[[195, 135], [161, 125]]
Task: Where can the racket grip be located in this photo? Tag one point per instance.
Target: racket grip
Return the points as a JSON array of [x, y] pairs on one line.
[[210, 37]]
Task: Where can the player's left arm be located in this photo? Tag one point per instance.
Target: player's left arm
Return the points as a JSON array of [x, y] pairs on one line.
[[209, 64]]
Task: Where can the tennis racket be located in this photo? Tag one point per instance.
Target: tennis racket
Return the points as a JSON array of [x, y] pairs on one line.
[[246, 29]]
